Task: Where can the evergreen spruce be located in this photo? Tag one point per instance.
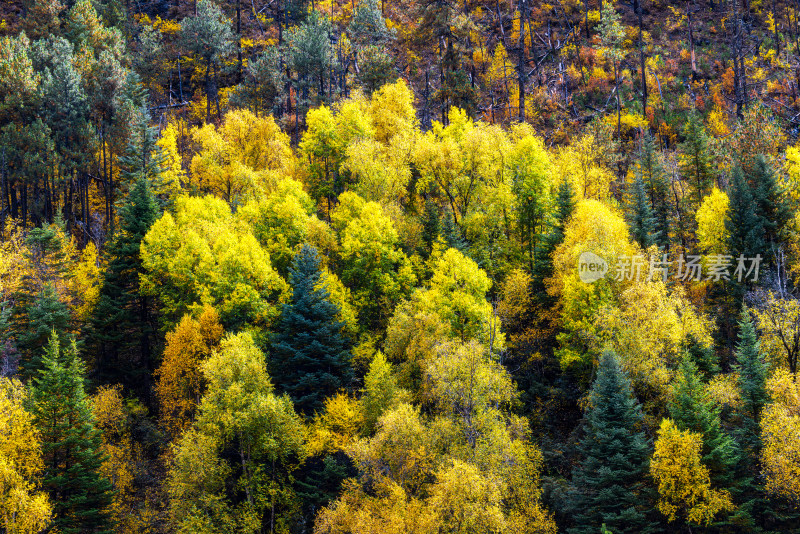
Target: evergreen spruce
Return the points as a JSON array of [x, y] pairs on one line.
[[143, 158], [752, 377], [122, 327], [745, 226], [70, 444], [310, 355], [703, 358], [655, 179], [431, 225], [696, 165], [640, 215], [770, 203], [451, 233], [543, 268], [693, 409], [45, 315], [319, 480], [608, 486]]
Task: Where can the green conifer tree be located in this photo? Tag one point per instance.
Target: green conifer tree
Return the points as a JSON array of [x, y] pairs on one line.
[[208, 36], [751, 371], [310, 355], [752, 379], [608, 486], [431, 225], [543, 268], [745, 226], [70, 444], [693, 409], [451, 233], [696, 166], [122, 326], [46, 315], [770, 201], [143, 158], [657, 185], [640, 215], [703, 357]]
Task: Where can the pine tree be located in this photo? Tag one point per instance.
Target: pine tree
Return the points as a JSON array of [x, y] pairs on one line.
[[71, 444], [122, 325], [143, 158], [608, 485], [208, 35], [692, 409], [640, 215], [543, 268], [696, 165], [770, 202], [45, 315], [703, 357], [752, 379], [431, 225], [319, 480], [745, 226], [655, 179], [451, 233], [310, 355]]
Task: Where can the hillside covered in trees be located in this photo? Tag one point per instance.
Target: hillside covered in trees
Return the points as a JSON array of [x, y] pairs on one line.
[[408, 266]]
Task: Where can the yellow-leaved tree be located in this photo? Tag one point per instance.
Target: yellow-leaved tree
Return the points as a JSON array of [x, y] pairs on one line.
[[467, 466], [203, 254], [241, 158], [780, 433], [779, 324], [452, 307], [24, 508], [245, 437], [179, 382], [649, 328], [684, 484], [374, 268], [597, 229], [323, 149], [712, 234]]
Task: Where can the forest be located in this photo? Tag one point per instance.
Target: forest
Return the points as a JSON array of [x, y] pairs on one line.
[[408, 266]]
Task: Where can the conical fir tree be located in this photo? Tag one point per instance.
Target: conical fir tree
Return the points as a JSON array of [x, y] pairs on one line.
[[543, 268], [310, 354], [654, 177], [122, 324], [608, 486], [640, 215], [770, 201], [693, 409], [695, 159], [70, 444], [744, 225], [45, 315], [752, 376], [703, 357], [752, 379]]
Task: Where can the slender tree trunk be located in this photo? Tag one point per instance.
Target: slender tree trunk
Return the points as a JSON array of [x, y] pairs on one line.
[[521, 62], [239, 35], [616, 90], [216, 92], [641, 56], [208, 90], [689, 13]]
